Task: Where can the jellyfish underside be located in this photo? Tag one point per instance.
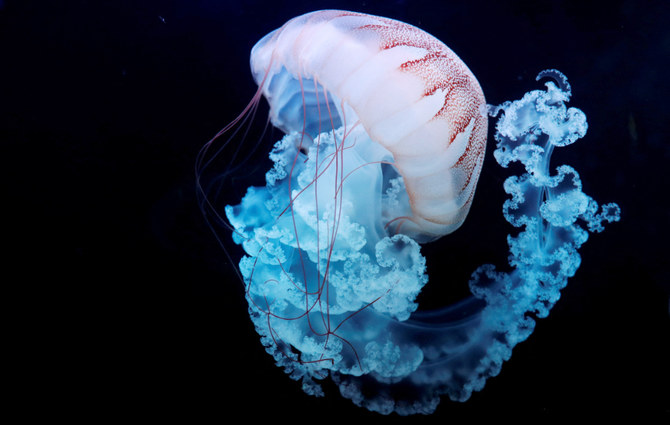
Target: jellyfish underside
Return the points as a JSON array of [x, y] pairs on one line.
[[331, 279]]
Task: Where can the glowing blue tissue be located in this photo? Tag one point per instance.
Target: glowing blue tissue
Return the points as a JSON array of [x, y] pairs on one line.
[[332, 292]]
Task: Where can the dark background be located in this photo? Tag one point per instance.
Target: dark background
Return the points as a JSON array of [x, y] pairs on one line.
[[126, 305]]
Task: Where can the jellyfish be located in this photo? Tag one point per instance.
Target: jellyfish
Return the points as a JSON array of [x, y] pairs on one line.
[[385, 133]]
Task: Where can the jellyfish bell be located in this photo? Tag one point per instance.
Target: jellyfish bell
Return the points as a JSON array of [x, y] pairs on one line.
[[385, 133], [409, 92]]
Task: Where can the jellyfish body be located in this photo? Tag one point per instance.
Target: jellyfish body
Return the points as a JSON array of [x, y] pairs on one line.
[[378, 158], [411, 94]]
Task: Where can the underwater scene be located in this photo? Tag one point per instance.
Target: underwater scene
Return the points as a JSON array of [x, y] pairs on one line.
[[384, 210]]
